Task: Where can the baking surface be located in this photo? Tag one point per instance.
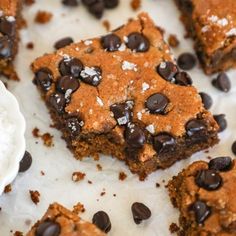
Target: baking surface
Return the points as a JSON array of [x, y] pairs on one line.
[[18, 211]]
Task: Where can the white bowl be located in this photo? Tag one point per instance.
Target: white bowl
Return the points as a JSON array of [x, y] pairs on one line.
[[9, 160]]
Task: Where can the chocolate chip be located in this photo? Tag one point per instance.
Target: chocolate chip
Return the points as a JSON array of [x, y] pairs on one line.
[[167, 70], [221, 121], [26, 162], [70, 3], [111, 3], [201, 210], [140, 212], [157, 103], [134, 136], [206, 99], [48, 228], [111, 42], [186, 61], [220, 163], [63, 42], [57, 101], [5, 47], [222, 82], [102, 221], [122, 112], [196, 128], [71, 66], [97, 8], [164, 143], [7, 27], [138, 42], [208, 179], [233, 148], [183, 78], [67, 83], [43, 78], [91, 75], [88, 2], [73, 125]]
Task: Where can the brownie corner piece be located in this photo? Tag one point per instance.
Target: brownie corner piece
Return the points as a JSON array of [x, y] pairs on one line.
[[204, 195], [10, 21], [212, 24], [60, 221], [123, 95]]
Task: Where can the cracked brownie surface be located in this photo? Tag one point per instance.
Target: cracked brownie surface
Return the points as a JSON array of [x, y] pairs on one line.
[[123, 95], [204, 195], [60, 221]]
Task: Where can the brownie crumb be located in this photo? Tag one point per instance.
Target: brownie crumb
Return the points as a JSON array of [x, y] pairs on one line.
[[78, 176], [157, 185], [173, 41], [174, 228], [122, 176], [114, 195], [102, 193], [18, 233], [78, 208], [106, 25], [135, 4], [8, 188], [42, 173], [47, 138], [43, 17], [34, 195], [30, 45], [35, 132], [28, 222], [90, 182], [99, 167], [29, 2]]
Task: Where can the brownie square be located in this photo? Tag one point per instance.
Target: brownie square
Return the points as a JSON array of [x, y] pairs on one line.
[[212, 24], [61, 221], [10, 20], [123, 95], [204, 195]]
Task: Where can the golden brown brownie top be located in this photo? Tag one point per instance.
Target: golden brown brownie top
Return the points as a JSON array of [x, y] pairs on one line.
[[133, 73], [9, 7], [215, 22], [60, 221], [205, 195]]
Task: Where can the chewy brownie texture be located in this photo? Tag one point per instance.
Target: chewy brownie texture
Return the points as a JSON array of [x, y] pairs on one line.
[[123, 95], [60, 221], [212, 24], [10, 20], [204, 193]]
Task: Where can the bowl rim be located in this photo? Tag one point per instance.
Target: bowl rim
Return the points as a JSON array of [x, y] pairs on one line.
[[19, 135]]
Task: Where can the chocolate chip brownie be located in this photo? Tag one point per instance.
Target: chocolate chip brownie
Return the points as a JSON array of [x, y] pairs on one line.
[[204, 194], [10, 20], [212, 24], [60, 221], [123, 95]]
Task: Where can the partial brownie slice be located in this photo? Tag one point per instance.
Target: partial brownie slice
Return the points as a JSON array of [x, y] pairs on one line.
[[122, 95], [60, 221], [204, 193], [212, 24], [10, 20]]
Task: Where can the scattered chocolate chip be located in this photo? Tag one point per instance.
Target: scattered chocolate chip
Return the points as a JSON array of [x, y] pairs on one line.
[[233, 148], [222, 82], [140, 212], [43, 78], [5, 47], [201, 210], [186, 61], [97, 8], [111, 42], [7, 27], [26, 162], [183, 78], [157, 103], [221, 121], [57, 101], [67, 83], [167, 70], [70, 3], [195, 128], [72, 66], [220, 163], [91, 75], [134, 136], [208, 179], [206, 99], [102, 221], [163, 143], [73, 125], [111, 3], [48, 228], [63, 42], [138, 42]]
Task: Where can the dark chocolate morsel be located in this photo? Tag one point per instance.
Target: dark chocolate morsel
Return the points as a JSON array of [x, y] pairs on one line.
[[26, 162], [111, 42], [206, 99], [138, 42], [222, 82], [63, 42], [7, 27], [48, 228], [221, 121], [91, 75], [5, 47], [102, 221], [167, 70], [164, 143], [157, 103], [220, 164], [234, 147], [70, 3], [73, 125], [43, 78], [67, 83], [140, 212], [201, 211], [195, 128], [57, 101], [111, 3], [183, 78], [186, 61]]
